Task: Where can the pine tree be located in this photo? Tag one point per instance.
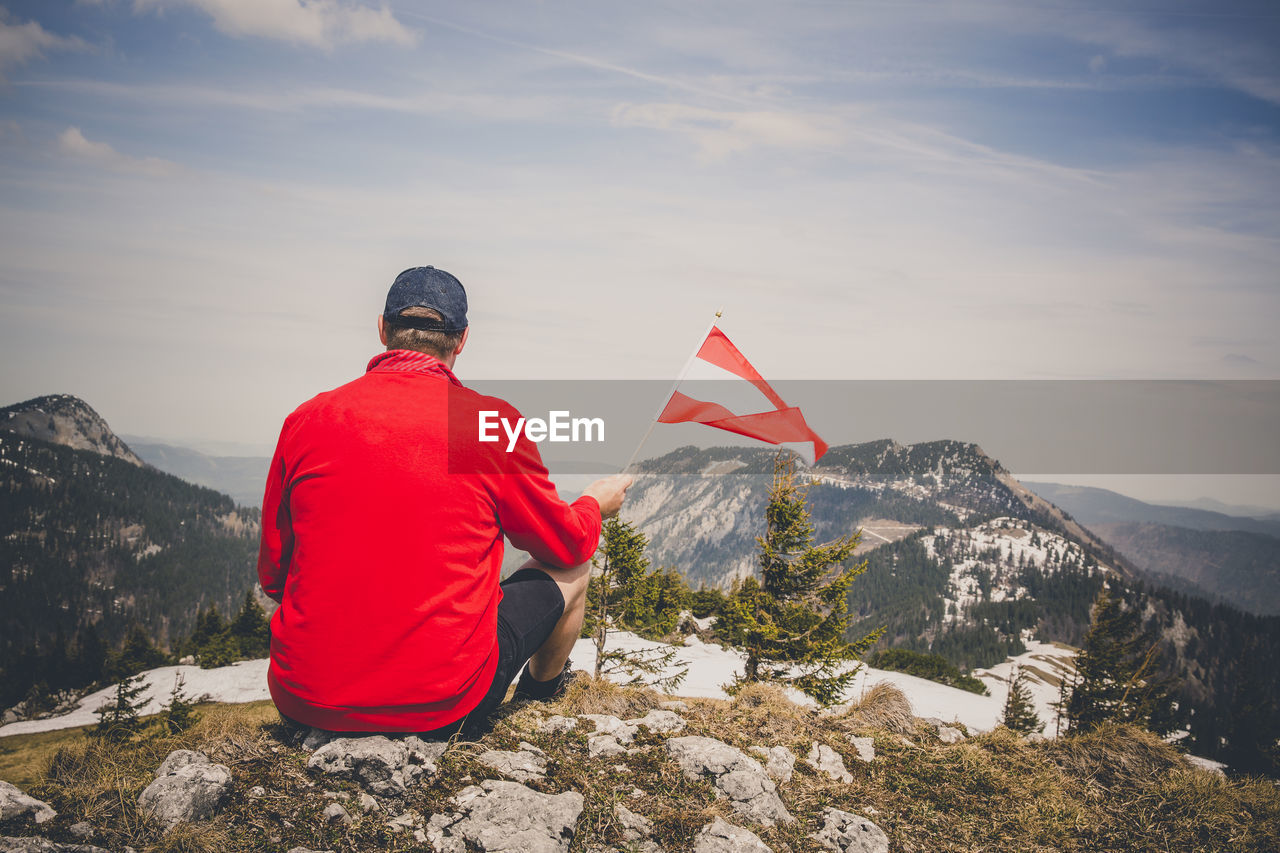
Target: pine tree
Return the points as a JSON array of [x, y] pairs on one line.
[[180, 713], [1116, 667], [1019, 712], [624, 595], [251, 630], [118, 719], [792, 621]]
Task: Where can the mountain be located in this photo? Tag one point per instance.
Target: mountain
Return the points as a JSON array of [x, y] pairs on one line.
[[93, 541], [963, 561], [1091, 507], [65, 420], [1231, 558], [241, 477]]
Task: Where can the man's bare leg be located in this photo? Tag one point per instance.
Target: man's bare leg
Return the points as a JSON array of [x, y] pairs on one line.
[[548, 661]]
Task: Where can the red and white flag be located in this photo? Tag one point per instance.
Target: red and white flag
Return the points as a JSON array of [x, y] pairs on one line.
[[744, 404]]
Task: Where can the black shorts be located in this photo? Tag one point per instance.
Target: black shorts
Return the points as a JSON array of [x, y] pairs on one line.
[[531, 606]]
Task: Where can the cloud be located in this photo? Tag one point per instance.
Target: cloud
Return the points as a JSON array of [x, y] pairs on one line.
[[319, 23], [1098, 64], [719, 133], [74, 144], [21, 43]]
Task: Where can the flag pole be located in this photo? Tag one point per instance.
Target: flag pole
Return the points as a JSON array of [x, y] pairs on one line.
[[674, 385]]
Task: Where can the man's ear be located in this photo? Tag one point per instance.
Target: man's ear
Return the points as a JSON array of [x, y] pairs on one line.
[[382, 330], [462, 342]]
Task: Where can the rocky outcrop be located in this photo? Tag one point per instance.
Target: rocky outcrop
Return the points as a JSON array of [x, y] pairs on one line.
[[720, 836], [506, 817], [779, 762], [188, 787], [849, 833], [734, 774], [15, 803], [384, 765], [524, 766]]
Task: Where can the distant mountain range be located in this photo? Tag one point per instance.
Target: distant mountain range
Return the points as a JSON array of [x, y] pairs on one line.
[[1091, 506], [241, 477]]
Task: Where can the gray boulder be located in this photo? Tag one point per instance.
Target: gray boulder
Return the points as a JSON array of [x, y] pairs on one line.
[[14, 803], [779, 762], [557, 724], [634, 826], [188, 787], [663, 722], [605, 746], [506, 817], [850, 833], [826, 760], [524, 766], [335, 813], [734, 774], [43, 845], [607, 724], [384, 765], [865, 746], [720, 836]]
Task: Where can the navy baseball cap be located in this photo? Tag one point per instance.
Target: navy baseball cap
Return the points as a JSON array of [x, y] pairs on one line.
[[427, 287]]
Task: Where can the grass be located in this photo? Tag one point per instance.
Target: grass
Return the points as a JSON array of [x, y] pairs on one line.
[[1117, 789]]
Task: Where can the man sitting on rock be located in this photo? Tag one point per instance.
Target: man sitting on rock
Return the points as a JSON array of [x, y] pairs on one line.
[[382, 539]]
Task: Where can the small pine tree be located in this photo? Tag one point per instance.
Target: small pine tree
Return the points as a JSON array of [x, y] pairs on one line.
[[251, 630], [1019, 712], [1116, 669], [792, 621], [118, 719], [180, 713], [625, 595]]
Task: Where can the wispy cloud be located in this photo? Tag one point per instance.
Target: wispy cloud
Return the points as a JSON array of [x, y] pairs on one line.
[[719, 133], [21, 43], [74, 144], [318, 23]]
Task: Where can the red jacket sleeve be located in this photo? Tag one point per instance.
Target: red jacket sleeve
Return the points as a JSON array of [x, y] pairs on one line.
[[277, 531], [536, 519]]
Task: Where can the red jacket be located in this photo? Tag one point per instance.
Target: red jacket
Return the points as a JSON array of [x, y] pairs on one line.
[[382, 541]]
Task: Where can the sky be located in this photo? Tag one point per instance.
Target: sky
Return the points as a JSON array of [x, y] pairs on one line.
[[203, 202]]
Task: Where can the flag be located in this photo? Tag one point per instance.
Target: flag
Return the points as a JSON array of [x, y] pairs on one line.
[[744, 404]]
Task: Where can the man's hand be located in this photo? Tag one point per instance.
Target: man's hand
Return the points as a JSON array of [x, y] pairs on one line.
[[609, 493]]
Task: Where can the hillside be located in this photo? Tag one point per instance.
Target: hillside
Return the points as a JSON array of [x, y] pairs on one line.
[[963, 561], [65, 420], [92, 541], [609, 769], [1091, 506], [240, 477]]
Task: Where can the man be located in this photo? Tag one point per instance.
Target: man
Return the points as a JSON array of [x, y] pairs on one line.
[[382, 539]]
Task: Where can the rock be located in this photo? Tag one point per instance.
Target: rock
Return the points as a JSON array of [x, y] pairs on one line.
[[826, 760], [14, 803], [307, 850], [673, 705], [82, 830], [35, 844], [187, 660], [257, 792], [188, 787], [865, 746], [659, 722], [607, 724], [778, 761], [367, 803], [405, 822], [720, 836], [557, 725], [507, 817], [634, 826], [849, 833], [734, 774], [524, 766], [335, 813], [605, 746], [316, 738], [385, 766], [949, 734]]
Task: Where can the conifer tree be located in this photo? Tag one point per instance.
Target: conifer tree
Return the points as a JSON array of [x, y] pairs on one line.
[[180, 713], [250, 629], [1117, 679], [1019, 712], [118, 719], [792, 621], [624, 594]]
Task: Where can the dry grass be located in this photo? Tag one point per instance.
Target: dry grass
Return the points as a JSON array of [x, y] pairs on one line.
[[883, 707], [1119, 789]]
